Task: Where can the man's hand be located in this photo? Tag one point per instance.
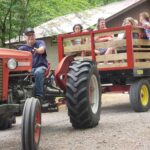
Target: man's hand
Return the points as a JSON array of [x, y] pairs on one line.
[[39, 50]]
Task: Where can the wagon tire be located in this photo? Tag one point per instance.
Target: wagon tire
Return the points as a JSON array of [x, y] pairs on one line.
[[140, 96], [31, 124], [83, 94]]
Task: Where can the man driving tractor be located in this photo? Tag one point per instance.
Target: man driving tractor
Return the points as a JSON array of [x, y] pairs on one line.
[[39, 61]]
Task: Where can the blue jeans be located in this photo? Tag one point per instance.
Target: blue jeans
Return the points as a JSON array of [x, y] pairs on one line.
[[39, 80]]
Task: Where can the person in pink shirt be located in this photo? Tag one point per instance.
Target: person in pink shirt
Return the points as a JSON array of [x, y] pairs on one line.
[[101, 24]]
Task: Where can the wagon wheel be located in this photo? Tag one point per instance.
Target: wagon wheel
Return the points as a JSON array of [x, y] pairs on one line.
[[31, 124], [140, 96], [83, 94]]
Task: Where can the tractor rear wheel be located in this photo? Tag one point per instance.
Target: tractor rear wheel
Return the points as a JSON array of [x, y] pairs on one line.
[[140, 96], [83, 94], [31, 124]]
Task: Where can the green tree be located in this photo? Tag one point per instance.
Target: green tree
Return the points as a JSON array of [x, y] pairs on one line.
[[41, 11], [16, 15], [12, 18]]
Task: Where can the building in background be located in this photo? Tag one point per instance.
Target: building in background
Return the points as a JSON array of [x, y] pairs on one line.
[[114, 14]]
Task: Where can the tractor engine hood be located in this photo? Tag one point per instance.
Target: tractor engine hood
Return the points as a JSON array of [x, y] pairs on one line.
[[23, 59], [9, 53]]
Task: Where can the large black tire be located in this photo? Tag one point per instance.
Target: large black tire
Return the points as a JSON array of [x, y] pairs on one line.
[[140, 96], [82, 112], [7, 121], [31, 124]]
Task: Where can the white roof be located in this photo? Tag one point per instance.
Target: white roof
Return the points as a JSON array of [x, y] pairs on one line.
[[87, 18]]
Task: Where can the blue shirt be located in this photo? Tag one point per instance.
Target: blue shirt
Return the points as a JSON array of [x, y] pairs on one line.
[[147, 31], [38, 60]]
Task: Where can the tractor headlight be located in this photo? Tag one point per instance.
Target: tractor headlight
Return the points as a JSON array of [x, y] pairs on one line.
[[12, 63]]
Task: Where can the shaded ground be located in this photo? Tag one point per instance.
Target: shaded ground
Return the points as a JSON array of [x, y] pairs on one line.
[[120, 129]]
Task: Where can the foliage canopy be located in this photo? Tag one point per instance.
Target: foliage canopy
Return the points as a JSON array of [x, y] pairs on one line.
[[16, 15]]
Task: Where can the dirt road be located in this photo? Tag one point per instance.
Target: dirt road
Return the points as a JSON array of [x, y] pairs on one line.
[[120, 129]]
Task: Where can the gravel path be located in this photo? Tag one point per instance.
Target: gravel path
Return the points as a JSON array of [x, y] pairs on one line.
[[120, 129]]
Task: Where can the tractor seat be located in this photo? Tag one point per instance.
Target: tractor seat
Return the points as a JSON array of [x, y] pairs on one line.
[[47, 71]]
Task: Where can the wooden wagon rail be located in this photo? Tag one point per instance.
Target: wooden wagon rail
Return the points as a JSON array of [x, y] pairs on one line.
[[130, 52]]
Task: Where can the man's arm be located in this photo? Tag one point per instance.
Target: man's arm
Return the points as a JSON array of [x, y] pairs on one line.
[[41, 49], [21, 48], [103, 39]]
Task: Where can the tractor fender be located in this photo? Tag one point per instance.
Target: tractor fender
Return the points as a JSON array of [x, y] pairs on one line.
[[62, 70]]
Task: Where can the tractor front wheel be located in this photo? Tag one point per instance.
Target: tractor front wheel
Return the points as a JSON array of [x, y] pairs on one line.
[[83, 94], [140, 96], [31, 124]]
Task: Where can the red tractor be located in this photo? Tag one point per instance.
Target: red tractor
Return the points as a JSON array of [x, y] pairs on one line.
[[14, 67], [17, 85]]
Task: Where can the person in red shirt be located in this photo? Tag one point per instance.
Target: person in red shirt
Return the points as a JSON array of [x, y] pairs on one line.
[[101, 24]]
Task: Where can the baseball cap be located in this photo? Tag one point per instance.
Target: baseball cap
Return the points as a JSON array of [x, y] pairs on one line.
[[28, 30]]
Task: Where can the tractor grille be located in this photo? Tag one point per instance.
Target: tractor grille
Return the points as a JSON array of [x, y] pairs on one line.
[[1, 79]]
